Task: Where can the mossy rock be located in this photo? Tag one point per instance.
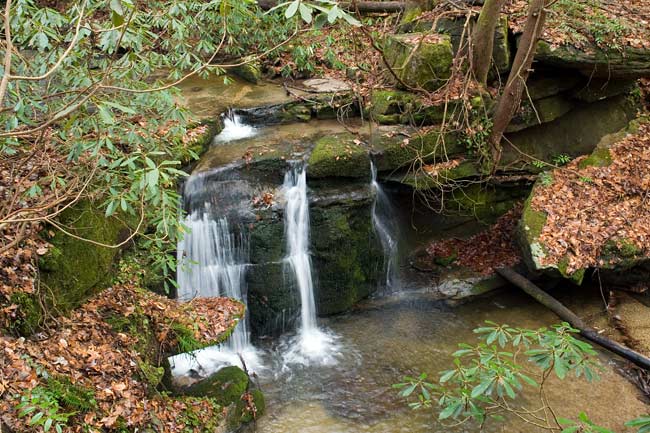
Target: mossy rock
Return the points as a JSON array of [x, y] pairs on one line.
[[74, 269], [540, 111], [420, 60], [576, 133], [226, 386], [390, 107], [243, 414], [455, 29], [29, 315], [151, 374], [346, 255], [339, 156], [528, 231], [399, 151], [600, 157], [485, 202], [272, 303], [595, 62], [250, 71]]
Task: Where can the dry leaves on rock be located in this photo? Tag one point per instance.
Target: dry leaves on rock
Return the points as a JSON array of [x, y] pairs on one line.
[[588, 208]]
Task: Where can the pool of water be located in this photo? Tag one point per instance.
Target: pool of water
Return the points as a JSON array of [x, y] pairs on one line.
[[390, 337]]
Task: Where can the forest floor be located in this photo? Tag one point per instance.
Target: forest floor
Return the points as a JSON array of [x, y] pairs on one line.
[[96, 368]]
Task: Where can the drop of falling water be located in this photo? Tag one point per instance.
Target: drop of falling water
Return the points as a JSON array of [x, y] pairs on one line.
[[311, 345]]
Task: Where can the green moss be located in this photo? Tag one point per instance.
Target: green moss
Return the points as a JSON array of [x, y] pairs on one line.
[[244, 414], [395, 153], [194, 421], [392, 107], [532, 221], [346, 255], [225, 386], [29, 315], [600, 157], [576, 276], [339, 156], [73, 270], [250, 71], [621, 254], [426, 65], [71, 397], [151, 374]]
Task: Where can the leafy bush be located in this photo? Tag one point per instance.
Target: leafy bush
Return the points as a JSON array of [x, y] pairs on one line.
[[487, 379]]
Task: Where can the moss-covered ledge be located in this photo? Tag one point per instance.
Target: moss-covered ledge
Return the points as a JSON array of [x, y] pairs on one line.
[[340, 155]]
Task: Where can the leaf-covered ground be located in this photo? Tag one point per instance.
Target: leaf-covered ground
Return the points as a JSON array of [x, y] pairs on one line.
[[99, 349], [589, 207], [486, 251], [608, 24]]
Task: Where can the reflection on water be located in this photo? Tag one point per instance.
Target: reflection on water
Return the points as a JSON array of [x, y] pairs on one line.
[[387, 340]]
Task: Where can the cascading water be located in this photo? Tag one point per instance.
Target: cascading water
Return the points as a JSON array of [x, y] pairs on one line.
[[234, 128], [311, 345], [212, 260], [384, 223]]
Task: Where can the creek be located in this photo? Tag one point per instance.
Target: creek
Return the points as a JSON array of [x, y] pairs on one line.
[[334, 374]]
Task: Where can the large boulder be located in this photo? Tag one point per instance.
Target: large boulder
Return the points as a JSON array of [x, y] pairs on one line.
[[588, 215], [596, 62], [456, 30], [75, 268], [420, 60]]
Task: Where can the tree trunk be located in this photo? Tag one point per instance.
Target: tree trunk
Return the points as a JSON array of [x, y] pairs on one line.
[[511, 97], [483, 39], [565, 314]]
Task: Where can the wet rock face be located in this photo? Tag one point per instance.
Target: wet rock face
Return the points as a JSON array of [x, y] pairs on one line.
[[346, 258], [346, 255]]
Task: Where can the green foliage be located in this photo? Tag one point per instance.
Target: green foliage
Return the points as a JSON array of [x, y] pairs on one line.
[[642, 423], [585, 21], [91, 79], [561, 159], [584, 425], [487, 379], [326, 11], [43, 410], [546, 179], [51, 404]]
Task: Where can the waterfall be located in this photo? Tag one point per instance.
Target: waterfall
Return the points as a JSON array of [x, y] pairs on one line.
[[212, 259], [234, 128], [311, 345], [383, 221], [212, 263]]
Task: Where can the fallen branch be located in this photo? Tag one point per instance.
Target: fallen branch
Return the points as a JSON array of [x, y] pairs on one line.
[[565, 314]]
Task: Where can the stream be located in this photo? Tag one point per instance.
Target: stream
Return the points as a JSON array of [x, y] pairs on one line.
[[334, 375], [387, 338]]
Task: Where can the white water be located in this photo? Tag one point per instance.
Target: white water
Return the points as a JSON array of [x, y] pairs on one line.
[[384, 224], [234, 129], [312, 345], [212, 261]]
